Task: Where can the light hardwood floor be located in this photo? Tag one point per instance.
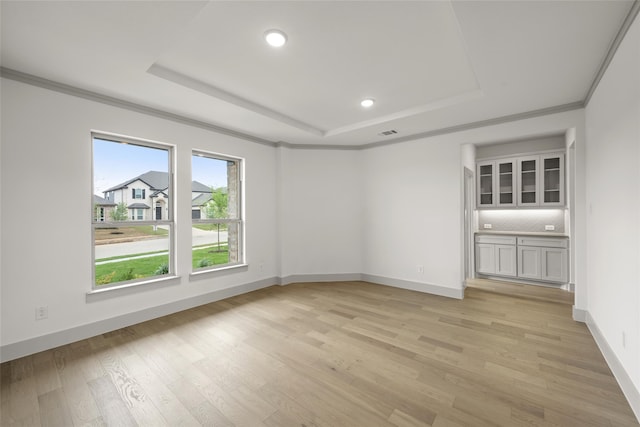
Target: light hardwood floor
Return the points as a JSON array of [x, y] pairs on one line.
[[533, 292], [328, 354]]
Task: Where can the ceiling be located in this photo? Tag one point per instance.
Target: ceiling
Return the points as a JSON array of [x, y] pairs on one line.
[[429, 65]]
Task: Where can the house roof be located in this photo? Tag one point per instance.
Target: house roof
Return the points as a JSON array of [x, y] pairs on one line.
[[200, 199], [158, 181], [139, 206], [156, 193], [97, 200], [199, 187]]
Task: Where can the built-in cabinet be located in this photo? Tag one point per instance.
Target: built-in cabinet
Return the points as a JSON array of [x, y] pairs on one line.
[[496, 255], [543, 259], [527, 181], [552, 175], [529, 258]]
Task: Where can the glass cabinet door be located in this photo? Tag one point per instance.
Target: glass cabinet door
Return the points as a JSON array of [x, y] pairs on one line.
[[486, 196], [552, 179], [506, 183], [528, 181]]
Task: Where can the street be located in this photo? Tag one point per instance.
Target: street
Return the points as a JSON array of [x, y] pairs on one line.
[[200, 237]]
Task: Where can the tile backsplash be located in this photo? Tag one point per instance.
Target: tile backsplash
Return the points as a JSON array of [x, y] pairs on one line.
[[528, 220]]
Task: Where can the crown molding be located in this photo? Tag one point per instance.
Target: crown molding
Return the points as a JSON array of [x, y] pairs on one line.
[[210, 90], [127, 105], [631, 16], [479, 124], [132, 106]]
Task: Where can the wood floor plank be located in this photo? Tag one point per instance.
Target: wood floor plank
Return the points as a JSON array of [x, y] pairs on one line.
[[331, 354], [82, 406], [54, 410], [111, 406]]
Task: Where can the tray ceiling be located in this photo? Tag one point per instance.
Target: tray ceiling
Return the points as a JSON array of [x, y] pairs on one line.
[[428, 64]]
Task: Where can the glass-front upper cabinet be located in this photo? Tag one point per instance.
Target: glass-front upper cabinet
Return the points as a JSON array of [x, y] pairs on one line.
[[528, 181], [506, 182], [552, 175], [485, 181], [521, 182]]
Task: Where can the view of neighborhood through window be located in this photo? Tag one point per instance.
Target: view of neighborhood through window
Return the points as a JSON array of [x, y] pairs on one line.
[[132, 216], [215, 211]]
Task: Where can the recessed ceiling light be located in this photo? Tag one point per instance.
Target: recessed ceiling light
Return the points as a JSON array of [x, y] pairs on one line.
[[275, 38], [366, 103]]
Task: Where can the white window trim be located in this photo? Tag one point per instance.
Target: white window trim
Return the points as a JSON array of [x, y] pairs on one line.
[[170, 221], [241, 221]]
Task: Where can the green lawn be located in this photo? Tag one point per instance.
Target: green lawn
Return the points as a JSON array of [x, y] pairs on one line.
[[129, 269], [209, 256], [146, 267]]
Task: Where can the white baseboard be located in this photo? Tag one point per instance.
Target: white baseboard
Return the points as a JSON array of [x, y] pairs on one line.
[[381, 280], [624, 380], [309, 278], [56, 339], [579, 315], [415, 286]]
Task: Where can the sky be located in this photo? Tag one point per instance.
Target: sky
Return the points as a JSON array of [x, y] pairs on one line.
[[114, 163]]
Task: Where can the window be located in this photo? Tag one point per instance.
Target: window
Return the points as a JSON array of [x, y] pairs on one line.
[[123, 251], [216, 211], [138, 193]]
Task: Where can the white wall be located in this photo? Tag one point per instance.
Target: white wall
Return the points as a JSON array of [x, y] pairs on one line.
[[412, 201], [613, 199], [321, 212], [468, 157], [517, 148], [46, 240]]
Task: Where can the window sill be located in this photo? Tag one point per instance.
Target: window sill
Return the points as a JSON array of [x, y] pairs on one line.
[[123, 289], [226, 268]]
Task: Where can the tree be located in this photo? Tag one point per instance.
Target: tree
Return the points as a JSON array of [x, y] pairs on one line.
[[216, 208], [120, 213]]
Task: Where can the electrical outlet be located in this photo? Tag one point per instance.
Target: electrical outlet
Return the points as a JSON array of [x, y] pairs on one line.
[[624, 340], [261, 266], [487, 226], [549, 227], [421, 269], [42, 312]]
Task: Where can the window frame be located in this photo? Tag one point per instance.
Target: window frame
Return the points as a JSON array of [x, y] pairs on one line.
[[240, 220], [169, 221], [138, 194]]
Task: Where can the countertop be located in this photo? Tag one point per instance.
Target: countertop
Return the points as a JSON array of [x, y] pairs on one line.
[[523, 233]]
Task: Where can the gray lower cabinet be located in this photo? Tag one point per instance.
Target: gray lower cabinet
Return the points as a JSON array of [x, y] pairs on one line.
[[542, 258], [554, 264], [485, 258], [530, 258], [506, 260], [529, 262], [496, 255]]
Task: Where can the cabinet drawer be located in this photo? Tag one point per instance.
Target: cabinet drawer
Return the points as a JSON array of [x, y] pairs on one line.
[[496, 240], [543, 242]]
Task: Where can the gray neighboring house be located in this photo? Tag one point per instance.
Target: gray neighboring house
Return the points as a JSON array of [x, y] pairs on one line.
[[102, 208], [198, 205], [147, 198]]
